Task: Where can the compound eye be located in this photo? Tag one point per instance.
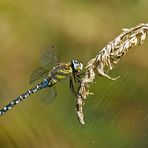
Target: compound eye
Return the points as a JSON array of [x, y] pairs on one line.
[[76, 62], [76, 65]]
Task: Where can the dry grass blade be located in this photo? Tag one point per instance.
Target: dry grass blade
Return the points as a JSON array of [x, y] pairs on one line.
[[107, 58]]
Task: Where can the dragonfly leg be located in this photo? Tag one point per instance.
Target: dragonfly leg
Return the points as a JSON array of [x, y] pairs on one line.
[[81, 74], [72, 87], [78, 78]]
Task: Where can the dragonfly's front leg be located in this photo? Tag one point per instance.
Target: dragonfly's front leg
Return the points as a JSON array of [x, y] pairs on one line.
[[79, 77], [81, 74], [72, 87]]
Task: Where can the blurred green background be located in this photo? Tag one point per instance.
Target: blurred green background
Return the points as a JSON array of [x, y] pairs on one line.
[[116, 116]]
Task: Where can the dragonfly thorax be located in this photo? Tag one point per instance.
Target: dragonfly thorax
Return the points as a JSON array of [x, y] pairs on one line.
[[76, 66]]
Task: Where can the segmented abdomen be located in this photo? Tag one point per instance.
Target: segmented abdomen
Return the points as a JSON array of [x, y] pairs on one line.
[[45, 83]]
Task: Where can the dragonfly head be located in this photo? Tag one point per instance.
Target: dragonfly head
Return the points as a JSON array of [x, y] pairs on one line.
[[76, 66]]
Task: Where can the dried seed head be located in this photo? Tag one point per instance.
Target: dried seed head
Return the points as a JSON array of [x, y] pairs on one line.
[[107, 58]]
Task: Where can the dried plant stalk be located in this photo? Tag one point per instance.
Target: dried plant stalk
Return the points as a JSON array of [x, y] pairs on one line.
[[106, 59]]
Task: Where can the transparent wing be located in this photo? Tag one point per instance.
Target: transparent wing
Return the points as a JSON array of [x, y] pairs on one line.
[[48, 61], [37, 74], [48, 95]]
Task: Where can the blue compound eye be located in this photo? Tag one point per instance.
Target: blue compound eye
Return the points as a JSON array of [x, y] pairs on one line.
[[76, 65]]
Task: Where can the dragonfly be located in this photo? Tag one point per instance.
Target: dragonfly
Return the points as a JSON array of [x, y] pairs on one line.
[[59, 71]]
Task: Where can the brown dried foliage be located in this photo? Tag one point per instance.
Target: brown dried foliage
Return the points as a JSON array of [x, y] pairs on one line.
[[106, 59]]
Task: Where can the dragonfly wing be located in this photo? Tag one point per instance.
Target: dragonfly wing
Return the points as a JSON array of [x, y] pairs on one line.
[[37, 74], [48, 95], [48, 59]]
